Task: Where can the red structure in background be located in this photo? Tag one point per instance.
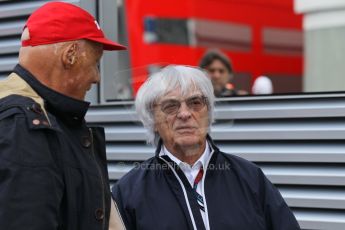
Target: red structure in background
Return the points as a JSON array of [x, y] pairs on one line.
[[262, 37]]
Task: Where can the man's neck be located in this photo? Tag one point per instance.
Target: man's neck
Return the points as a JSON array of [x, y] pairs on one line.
[[189, 154]]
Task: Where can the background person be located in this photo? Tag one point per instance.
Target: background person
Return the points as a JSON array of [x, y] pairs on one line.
[[220, 70], [190, 183], [53, 171]]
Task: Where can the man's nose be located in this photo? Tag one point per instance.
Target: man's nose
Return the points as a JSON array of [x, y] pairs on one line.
[[184, 111]]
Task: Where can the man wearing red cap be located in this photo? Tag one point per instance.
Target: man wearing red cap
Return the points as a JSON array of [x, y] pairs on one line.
[[53, 171]]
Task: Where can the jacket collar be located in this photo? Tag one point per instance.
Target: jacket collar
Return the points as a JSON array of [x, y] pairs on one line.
[[68, 109]]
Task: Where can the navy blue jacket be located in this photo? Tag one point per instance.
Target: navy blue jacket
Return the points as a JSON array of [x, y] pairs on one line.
[[53, 171], [238, 196]]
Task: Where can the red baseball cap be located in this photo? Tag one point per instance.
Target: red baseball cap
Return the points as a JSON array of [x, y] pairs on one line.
[[59, 22]]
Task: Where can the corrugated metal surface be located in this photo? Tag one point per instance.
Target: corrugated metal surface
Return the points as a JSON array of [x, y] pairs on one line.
[[298, 141]]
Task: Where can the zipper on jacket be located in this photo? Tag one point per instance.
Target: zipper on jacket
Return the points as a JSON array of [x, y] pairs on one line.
[[184, 193], [207, 226], [101, 176]]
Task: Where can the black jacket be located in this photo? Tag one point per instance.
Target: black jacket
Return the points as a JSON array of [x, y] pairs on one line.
[[53, 171], [238, 196]]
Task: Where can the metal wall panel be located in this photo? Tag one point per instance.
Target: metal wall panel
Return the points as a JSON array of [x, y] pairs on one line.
[[298, 141]]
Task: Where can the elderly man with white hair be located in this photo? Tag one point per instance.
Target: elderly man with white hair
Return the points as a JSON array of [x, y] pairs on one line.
[[190, 183]]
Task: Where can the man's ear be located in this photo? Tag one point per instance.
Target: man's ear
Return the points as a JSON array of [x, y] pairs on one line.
[[70, 55]]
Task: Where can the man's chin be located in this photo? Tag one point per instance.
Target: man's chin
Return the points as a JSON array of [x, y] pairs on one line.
[[188, 141]]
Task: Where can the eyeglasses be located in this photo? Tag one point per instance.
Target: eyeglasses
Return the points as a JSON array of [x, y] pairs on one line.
[[172, 106]]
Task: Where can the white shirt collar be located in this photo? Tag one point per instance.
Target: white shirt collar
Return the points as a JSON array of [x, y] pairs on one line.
[[202, 161]]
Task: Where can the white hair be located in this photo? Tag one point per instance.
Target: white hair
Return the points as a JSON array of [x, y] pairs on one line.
[[159, 84]]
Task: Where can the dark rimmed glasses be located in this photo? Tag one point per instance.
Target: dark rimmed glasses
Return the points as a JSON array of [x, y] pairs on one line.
[[172, 106]]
